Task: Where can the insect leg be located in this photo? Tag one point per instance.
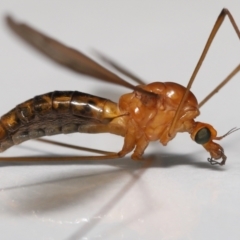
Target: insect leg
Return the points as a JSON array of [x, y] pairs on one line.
[[134, 140], [106, 155], [129, 144], [141, 145], [73, 146], [34, 159], [225, 12], [223, 83]]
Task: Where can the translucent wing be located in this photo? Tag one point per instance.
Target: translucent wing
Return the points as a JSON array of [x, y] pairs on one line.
[[119, 68], [64, 55]]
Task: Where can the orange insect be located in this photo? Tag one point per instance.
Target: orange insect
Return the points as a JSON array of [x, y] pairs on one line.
[[156, 111]]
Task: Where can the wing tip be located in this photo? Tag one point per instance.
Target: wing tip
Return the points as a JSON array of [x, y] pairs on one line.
[[10, 21]]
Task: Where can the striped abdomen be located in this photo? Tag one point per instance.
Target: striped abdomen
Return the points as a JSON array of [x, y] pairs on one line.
[[53, 113]]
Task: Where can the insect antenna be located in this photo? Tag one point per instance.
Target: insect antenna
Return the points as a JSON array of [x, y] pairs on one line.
[[228, 133]]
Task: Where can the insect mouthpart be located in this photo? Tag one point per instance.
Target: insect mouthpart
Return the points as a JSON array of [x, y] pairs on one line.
[[214, 162]]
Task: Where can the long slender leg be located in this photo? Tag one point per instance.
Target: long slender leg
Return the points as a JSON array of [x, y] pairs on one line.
[[213, 33], [73, 146], [106, 155], [57, 158], [223, 83]]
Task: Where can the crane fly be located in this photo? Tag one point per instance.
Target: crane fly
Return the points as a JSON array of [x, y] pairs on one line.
[[156, 111]]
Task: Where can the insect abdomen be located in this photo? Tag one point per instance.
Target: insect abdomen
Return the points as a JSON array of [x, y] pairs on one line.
[[53, 113]]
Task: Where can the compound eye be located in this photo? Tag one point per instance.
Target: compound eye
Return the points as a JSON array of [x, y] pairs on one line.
[[203, 136]]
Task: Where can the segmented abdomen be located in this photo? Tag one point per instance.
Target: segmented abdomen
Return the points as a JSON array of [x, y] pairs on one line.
[[53, 113]]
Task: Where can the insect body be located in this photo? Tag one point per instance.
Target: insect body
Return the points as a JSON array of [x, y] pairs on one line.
[[54, 113], [139, 118], [157, 111]]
